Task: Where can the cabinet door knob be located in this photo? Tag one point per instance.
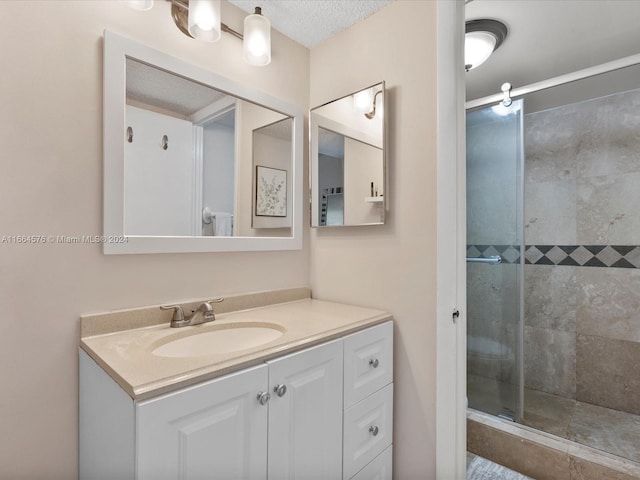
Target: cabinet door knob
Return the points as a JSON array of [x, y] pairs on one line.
[[374, 362], [280, 390], [373, 430], [263, 398]]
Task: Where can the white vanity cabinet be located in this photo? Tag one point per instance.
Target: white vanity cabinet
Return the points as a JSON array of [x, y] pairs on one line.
[[368, 403], [305, 414], [287, 418], [217, 429]]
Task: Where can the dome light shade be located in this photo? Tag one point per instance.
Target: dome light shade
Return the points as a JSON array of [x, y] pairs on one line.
[[478, 47], [204, 20], [482, 38], [256, 48]]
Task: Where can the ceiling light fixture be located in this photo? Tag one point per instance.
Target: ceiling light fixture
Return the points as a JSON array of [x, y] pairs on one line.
[[482, 38], [201, 19]]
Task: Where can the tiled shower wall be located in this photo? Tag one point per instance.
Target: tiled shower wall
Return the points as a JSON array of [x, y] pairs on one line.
[[582, 227]]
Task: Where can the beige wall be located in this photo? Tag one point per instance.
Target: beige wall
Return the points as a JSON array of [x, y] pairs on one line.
[[362, 167], [51, 184], [393, 266]]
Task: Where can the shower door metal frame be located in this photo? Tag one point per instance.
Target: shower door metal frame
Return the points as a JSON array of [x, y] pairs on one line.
[[520, 223]]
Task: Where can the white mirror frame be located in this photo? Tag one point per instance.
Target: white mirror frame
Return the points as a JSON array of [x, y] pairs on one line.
[[116, 50]]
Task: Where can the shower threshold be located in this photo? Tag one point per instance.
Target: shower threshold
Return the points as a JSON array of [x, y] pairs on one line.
[[539, 454]]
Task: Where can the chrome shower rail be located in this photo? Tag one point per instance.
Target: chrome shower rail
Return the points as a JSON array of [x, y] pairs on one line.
[[559, 80], [493, 260]]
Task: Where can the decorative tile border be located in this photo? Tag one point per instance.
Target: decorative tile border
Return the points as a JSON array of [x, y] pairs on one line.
[[616, 256]]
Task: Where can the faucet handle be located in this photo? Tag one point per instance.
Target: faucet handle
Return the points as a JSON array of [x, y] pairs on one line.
[[178, 313], [216, 300]]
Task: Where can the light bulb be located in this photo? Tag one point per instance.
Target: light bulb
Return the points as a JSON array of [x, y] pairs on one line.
[[204, 20], [363, 101], [205, 25], [256, 49], [256, 46], [138, 4]]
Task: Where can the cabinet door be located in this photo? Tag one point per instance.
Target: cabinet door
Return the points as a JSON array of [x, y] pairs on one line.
[[305, 421], [217, 429]]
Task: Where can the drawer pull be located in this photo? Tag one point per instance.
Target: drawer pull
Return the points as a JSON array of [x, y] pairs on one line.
[[263, 398], [280, 390], [373, 430], [374, 362]]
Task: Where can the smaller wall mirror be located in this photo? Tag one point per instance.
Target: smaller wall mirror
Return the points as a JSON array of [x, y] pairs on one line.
[[348, 160]]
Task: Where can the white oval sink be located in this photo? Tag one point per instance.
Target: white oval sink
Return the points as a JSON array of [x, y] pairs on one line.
[[225, 339]]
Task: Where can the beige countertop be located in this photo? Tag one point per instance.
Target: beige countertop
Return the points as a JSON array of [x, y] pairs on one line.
[[127, 355]]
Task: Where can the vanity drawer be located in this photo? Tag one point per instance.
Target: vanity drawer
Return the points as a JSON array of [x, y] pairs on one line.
[[368, 430], [380, 467], [368, 362]]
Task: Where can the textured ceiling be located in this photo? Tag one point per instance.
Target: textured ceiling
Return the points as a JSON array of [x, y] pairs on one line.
[[158, 88], [309, 22], [152, 86], [282, 129]]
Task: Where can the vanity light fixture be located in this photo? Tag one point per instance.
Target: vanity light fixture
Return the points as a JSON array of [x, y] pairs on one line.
[[482, 38], [371, 115], [365, 102], [201, 19]]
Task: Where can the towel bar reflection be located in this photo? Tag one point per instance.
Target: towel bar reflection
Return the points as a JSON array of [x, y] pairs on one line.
[[493, 260], [208, 216]]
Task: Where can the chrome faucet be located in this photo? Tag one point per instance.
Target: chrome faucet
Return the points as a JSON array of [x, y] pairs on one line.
[[204, 313]]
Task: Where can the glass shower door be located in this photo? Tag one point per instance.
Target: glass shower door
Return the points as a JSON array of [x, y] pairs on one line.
[[495, 163]]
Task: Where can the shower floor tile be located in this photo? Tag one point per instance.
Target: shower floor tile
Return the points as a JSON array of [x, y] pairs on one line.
[[602, 428], [479, 468], [606, 429], [546, 412], [611, 431]]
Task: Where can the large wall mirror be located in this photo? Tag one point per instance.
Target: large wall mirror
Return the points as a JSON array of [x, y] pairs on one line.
[[348, 161], [194, 162]]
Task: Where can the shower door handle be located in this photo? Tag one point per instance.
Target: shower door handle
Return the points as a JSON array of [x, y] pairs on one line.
[[494, 260]]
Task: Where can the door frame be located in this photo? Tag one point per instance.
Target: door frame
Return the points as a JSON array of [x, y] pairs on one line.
[[451, 330]]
